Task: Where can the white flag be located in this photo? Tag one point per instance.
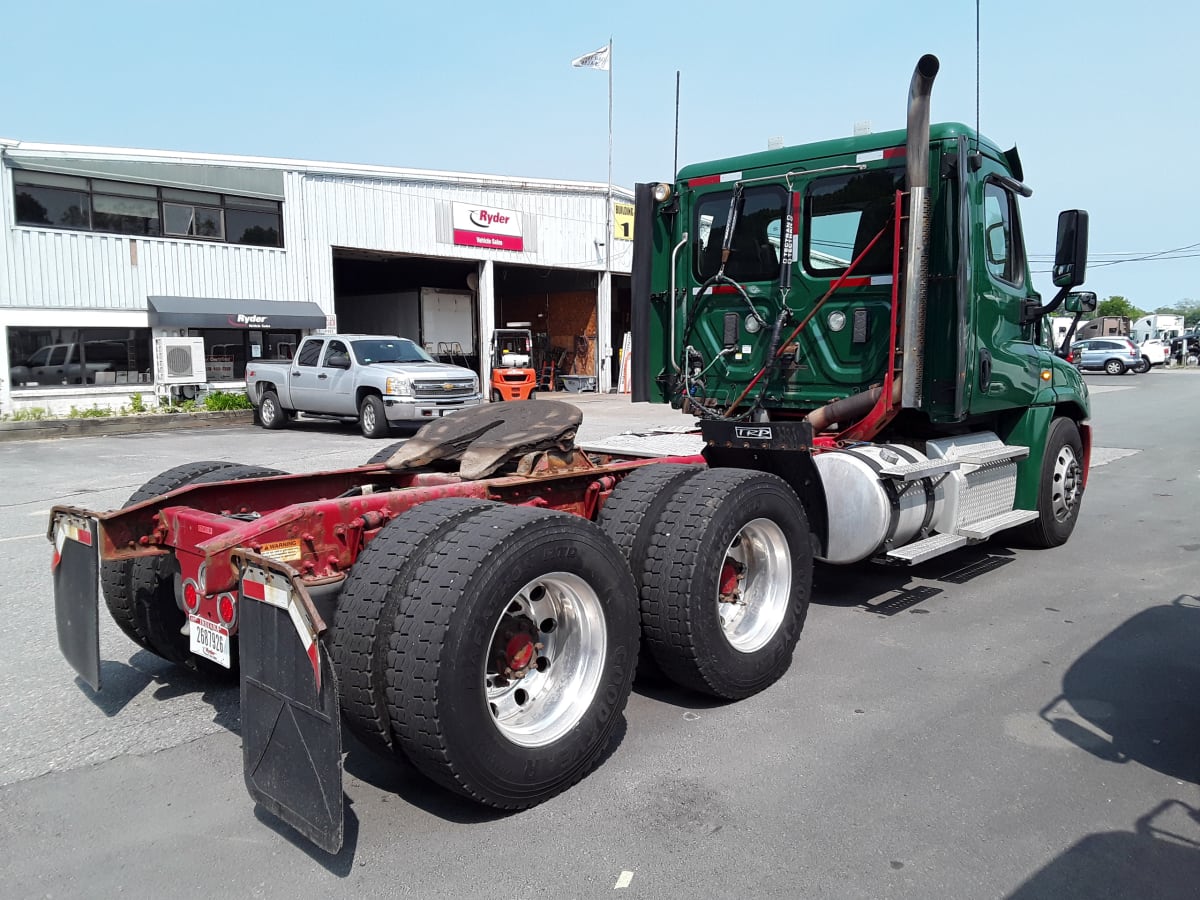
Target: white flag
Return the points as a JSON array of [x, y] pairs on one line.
[[597, 59]]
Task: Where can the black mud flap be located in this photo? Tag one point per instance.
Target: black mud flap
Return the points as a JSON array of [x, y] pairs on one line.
[[291, 722], [76, 573]]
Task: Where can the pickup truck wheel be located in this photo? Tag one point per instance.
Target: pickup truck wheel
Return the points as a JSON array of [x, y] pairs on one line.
[[1114, 367], [1061, 488], [372, 418], [631, 514], [271, 413], [512, 655], [151, 590], [1142, 366], [726, 582], [367, 608]]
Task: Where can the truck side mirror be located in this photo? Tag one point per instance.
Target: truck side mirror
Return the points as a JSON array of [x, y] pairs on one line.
[[338, 361], [1070, 256], [1080, 302]]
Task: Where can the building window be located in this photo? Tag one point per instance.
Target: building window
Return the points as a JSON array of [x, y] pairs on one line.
[[228, 350], [52, 357], [47, 200]]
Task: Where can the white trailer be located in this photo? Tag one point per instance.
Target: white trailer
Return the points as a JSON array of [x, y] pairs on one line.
[[1163, 327]]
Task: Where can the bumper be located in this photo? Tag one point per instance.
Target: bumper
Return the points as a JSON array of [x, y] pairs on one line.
[[404, 409]]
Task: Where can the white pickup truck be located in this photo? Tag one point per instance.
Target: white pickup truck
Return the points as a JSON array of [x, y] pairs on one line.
[[379, 379]]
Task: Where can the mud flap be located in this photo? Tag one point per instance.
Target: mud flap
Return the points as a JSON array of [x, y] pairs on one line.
[[291, 722], [76, 574]]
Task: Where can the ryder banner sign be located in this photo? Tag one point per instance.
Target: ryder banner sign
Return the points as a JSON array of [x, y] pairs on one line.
[[487, 226]]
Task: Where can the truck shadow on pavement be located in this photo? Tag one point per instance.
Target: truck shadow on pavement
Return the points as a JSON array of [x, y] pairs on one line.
[[1135, 695], [123, 682], [1159, 858], [887, 590]]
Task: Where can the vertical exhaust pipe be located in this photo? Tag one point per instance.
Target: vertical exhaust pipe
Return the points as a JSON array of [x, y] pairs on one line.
[[916, 268]]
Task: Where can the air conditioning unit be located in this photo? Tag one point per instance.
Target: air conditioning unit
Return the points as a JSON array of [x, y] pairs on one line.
[[179, 360]]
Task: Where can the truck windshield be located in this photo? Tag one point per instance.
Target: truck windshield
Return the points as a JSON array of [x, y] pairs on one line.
[[395, 350]]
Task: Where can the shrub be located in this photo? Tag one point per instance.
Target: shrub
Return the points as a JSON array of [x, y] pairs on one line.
[[136, 403], [32, 414], [221, 401]]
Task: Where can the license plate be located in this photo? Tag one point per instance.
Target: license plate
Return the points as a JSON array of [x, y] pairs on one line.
[[210, 640]]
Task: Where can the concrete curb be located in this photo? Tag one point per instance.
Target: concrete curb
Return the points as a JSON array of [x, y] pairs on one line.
[[51, 429]]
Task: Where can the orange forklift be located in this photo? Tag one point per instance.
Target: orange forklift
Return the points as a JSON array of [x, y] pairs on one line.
[[513, 374]]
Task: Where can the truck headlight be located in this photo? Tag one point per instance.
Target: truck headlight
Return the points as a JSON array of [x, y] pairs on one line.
[[399, 386]]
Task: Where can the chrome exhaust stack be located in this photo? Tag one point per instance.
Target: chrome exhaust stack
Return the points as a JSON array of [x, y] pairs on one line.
[[916, 268]]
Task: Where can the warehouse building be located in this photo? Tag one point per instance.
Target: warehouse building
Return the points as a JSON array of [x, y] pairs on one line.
[[163, 273]]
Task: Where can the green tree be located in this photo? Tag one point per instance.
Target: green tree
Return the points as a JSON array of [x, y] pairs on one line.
[[1117, 305]]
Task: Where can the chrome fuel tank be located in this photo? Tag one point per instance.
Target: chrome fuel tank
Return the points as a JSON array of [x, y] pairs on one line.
[[870, 513]]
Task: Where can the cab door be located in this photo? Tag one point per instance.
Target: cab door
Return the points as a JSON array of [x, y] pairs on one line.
[[1008, 360]]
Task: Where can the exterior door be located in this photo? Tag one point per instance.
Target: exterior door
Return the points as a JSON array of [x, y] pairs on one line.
[[1008, 361], [303, 375]]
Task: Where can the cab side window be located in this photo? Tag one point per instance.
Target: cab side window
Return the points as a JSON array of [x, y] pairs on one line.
[[309, 353], [1002, 235], [334, 348]]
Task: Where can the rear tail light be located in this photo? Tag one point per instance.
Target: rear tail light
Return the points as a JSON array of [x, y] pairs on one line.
[[226, 609], [191, 596]]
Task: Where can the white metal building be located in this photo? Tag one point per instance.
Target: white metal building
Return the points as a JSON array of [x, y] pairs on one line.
[[107, 251]]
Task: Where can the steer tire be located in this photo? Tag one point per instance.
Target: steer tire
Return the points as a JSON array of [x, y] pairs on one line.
[[1060, 490], [632, 512], [493, 582], [367, 608], [717, 521], [382, 456], [1142, 366], [271, 414], [115, 576], [372, 417]]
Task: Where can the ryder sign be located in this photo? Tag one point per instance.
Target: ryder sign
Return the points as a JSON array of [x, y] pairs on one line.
[[487, 226]]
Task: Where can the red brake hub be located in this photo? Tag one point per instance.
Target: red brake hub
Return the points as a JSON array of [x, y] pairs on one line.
[[729, 578], [519, 651]]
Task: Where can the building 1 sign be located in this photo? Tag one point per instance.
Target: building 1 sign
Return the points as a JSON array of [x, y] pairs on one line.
[[487, 227]]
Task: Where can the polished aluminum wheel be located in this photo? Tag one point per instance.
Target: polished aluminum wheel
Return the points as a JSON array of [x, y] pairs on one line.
[[1066, 483], [754, 585], [546, 659]]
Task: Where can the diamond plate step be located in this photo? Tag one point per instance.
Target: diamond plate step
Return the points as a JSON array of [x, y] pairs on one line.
[[977, 531], [914, 471], [934, 545], [1003, 453]]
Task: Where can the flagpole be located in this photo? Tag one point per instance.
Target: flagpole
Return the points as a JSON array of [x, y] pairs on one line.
[[608, 235]]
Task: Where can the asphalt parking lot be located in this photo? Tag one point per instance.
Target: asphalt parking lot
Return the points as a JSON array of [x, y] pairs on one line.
[[999, 722]]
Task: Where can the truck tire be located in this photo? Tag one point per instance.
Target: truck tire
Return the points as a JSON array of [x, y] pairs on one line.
[[381, 456], [372, 418], [271, 414], [150, 589], [1142, 366], [512, 655], [367, 606], [726, 582], [115, 576], [1061, 487], [631, 514]]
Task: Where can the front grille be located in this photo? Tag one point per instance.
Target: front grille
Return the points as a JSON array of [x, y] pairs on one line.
[[444, 389]]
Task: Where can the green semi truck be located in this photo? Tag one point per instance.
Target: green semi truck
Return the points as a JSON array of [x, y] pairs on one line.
[[854, 324]]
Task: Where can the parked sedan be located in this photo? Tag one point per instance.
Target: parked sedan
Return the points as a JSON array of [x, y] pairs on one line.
[[1113, 354]]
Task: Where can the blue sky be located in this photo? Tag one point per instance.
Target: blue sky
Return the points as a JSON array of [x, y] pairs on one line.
[[1102, 104]]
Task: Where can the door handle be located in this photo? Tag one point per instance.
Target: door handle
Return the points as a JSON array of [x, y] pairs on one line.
[[985, 370], [295, 374], [322, 375]]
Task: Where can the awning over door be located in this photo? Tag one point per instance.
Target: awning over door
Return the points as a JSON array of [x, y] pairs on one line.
[[205, 312]]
